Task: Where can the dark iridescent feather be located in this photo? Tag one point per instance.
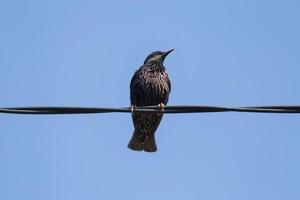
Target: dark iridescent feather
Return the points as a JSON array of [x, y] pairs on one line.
[[149, 86]]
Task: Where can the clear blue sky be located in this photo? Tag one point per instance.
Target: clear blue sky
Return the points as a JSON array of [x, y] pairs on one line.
[[83, 53]]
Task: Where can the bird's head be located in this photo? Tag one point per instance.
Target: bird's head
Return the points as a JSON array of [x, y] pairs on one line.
[[157, 56]]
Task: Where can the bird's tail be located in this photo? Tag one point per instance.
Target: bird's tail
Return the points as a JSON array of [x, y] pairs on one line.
[[136, 142], [150, 144]]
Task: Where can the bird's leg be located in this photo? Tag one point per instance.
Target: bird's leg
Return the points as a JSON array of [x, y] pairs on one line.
[[161, 107], [132, 108]]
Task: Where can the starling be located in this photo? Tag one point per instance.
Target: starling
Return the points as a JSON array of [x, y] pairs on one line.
[[149, 86]]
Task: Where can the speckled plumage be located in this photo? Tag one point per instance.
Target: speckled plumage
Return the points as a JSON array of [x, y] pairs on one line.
[[150, 85]]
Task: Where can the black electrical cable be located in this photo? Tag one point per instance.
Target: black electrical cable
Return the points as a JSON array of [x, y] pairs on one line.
[[168, 109]]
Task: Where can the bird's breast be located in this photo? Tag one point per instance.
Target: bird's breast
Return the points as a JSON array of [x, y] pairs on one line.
[[154, 88]]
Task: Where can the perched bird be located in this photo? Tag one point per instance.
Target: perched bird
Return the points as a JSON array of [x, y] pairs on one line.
[[149, 86]]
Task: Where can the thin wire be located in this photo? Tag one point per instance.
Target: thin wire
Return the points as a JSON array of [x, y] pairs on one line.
[[168, 109]]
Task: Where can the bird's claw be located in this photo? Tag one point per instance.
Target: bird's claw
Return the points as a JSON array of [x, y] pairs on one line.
[[132, 108], [161, 107]]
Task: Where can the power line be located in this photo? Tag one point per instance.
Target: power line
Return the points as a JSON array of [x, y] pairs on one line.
[[168, 109]]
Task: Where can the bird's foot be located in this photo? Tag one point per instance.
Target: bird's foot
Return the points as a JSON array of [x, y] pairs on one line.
[[132, 108], [161, 107]]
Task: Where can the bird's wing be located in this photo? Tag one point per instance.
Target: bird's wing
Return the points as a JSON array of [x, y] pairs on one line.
[[133, 87], [169, 83]]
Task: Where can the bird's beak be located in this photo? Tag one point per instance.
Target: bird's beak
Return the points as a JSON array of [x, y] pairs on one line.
[[167, 52]]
